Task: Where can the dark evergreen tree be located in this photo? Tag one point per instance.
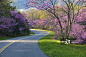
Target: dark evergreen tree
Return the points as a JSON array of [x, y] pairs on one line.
[[5, 8]]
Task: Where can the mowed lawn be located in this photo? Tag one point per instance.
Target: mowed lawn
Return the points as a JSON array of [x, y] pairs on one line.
[[54, 48]]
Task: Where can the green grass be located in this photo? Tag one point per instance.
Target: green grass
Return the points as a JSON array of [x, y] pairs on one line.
[[54, 48], [32, 33], [4, 38]]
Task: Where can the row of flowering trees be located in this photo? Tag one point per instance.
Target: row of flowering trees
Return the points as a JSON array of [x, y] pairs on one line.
[[77, 31], [66, 18], [14, 25]]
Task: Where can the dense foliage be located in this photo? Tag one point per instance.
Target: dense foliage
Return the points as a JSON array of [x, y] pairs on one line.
[[15, 25], [5, 7], [12, 23]]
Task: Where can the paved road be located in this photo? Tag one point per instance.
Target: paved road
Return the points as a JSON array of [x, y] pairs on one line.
[[23, 46]]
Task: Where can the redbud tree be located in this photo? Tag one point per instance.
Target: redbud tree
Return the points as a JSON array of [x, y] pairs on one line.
[[68, 10]]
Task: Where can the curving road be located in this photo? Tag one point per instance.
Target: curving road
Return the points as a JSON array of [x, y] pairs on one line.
[[23, 46]]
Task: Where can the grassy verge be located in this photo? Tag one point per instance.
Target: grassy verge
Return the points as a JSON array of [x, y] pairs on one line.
[[4, 38], [53, 48], [32, 33]]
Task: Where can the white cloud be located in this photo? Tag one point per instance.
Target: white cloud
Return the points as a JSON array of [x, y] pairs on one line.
[[26, 9]]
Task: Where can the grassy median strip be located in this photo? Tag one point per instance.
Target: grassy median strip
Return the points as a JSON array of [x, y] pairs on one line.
[[4, 38], [54, 48]]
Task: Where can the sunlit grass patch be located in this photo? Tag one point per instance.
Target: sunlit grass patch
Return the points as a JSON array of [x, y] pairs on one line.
[[51, 32], [54, 48], [32, 33], [49, 40]]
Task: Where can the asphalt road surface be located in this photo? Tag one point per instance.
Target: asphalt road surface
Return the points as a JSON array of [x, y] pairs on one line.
[[23, 46]]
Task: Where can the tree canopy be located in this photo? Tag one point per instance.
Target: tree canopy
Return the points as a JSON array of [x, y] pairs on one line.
[[5, 7]]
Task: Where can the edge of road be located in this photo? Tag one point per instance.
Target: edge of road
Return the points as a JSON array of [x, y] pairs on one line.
[[3, 48]]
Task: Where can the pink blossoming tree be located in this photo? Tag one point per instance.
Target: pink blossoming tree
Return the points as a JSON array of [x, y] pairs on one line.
[[67, 12]]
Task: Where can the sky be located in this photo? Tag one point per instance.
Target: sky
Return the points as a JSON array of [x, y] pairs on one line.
[[20, 5]]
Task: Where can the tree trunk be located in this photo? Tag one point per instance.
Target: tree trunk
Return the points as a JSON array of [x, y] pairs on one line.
[[60, 26]]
